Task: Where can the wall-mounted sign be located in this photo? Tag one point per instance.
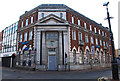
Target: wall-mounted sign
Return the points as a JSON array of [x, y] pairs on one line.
[[97, 46], [25, 42]]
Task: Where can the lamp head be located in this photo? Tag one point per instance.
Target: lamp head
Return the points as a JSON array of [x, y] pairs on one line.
[[106, 4]]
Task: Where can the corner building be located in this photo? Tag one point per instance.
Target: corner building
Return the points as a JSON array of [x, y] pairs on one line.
[[56, 37]]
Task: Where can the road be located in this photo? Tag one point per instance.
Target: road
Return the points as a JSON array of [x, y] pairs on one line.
[[21, 74]]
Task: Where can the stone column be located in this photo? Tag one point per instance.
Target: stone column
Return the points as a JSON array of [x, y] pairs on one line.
[[66, 47], [38, 47], [60, 48], [44, 53]]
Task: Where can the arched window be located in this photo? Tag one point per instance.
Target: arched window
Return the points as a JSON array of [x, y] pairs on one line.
[[81, 59], [74, 56], [98, 59], [87, 56], [102, 57]]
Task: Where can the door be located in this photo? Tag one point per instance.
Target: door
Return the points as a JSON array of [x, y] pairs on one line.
[[51, 62]]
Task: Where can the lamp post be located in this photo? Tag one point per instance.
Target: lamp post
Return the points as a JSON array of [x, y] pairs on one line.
[[115, 75]]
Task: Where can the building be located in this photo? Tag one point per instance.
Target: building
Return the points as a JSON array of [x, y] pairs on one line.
[[56, 37], [9, 45], [1, 39]]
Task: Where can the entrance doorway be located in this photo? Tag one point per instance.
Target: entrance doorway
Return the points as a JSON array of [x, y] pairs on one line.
[[51, 62]]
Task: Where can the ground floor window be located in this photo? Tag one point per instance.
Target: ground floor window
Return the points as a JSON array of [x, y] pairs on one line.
[[74, 56]]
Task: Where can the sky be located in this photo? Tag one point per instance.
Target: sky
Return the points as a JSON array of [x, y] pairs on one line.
[[93, 9]]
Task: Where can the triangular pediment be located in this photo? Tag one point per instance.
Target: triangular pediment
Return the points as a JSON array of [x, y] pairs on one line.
[[51, 20]]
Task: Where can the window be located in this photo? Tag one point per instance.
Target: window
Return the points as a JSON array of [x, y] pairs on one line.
[[73, 35], [106, 34], [101, 42], [56, 36], [80, 36], [42, 15], [25, 36], [31, 20], [90, 28], [86, 38], [79, 22], [102, 33], [22, 24], [85, 25], [47, 36], [51, 35], [95, 30], [92, 42], [26, 22], [96, 41], [61, 15], [21, 38], [73, 20], [99, 31], [30, 35]]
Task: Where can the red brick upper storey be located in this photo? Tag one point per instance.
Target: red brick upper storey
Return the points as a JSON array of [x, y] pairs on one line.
[[96, 31], [1, 39]]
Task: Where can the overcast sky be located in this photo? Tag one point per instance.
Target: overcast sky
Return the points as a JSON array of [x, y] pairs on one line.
[[10, 10]]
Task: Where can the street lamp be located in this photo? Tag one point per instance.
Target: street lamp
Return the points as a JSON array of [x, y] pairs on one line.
[[115, 75]]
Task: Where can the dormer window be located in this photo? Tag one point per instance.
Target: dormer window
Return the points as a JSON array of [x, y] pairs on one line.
[[85, 25], [73, 20], [79, 23], [26, 22], [90, 27]]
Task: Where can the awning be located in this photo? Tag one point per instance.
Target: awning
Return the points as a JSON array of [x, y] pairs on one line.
[[8, 54]]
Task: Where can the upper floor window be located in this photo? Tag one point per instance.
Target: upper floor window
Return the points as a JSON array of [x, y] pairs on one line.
[[90, 27], [73, 20], [26, 22], [99, 31], [80, 36], [79, 22], [51, 35], [101, 42], [21, 38], [85, 25], [102, 33], [22, 24], [31, 20], [106, 34], [47, 35], [92, 42], [42, 15], [86, 38], [30, 35], [25, 36], [73, 35], [96, 41], [61, 15], [56, 35], [95, 30]]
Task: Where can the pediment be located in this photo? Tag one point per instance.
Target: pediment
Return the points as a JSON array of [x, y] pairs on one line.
[[51, 20]]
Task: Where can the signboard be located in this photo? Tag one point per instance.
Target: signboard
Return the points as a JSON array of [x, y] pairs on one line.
[[97, 46], [25, 42]]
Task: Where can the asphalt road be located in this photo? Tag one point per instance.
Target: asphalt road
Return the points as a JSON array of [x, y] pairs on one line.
[[21, 74]]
